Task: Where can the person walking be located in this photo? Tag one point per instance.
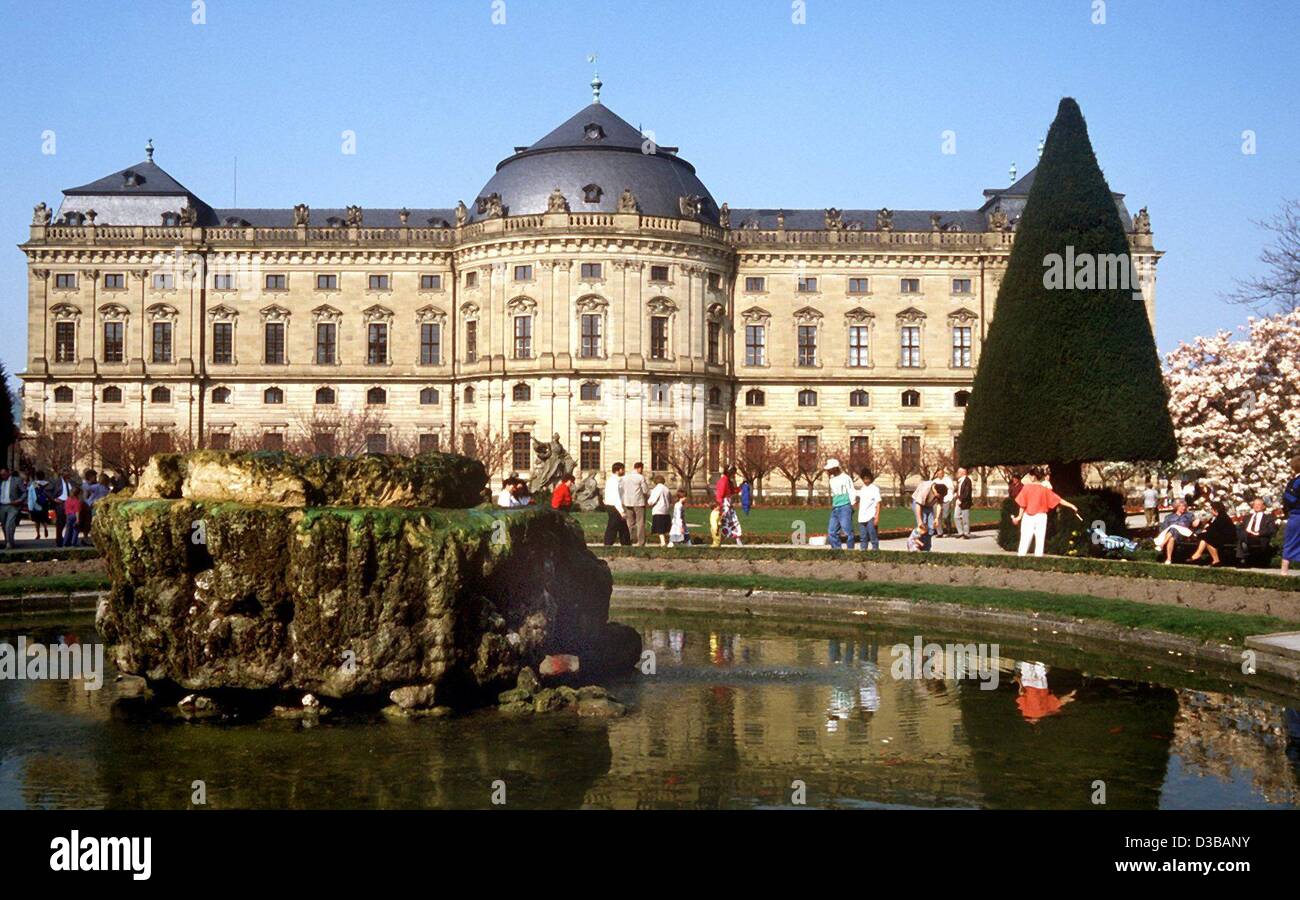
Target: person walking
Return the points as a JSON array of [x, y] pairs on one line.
[[1151, 504], [12, 497], [660, 504], [725, 493], [615, 522], [636, 494], [91, 493], [840, 525], [562, 496], [72, 509], [945, 523], [746, 496], [60, 490], [869, 503], [1291, 510], [678, 533], [38, 505], [1036, 500], [965, 490]]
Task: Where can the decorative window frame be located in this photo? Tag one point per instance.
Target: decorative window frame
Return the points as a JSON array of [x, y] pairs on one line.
[[856, 318], [716, 314], [808, 316], [114, 312], [217, 387], [599, 390], [910, 317], [379, 290], [223, 313], [166, 314], [431, 315], [442, 283], [964, 318], [663, 307], [271, 314], [315, 282], [68, 312], [324, 387], [54, 282], [429, 387], [757, 315], [469, 312], [592, 305], [378, 315], [522, 306]]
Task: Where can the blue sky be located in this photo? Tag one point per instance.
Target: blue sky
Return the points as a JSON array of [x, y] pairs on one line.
[[846, 110]]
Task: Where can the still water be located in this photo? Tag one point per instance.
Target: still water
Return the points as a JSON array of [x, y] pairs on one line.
[[739, 714]]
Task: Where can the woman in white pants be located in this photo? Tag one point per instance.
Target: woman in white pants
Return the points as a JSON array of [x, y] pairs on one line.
[[1036, 500]]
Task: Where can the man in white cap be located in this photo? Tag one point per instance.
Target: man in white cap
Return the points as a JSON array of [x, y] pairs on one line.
[[841, 521]]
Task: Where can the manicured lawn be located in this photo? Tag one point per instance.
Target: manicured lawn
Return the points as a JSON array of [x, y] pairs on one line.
[[778, 520], [55, 584]]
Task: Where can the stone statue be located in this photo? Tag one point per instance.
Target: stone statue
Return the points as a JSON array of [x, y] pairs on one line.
[[936, 222], [834, 219], [627, 201], [41, 214], [553, 463], [885, 220], [689, 204], [587, 495], [780, 219], [724, 216], [490, 206], [557, 202], [403, 215], [301, 215], [462, 213], [997, 220], [354, 217], [189, 216], [1142, 222]]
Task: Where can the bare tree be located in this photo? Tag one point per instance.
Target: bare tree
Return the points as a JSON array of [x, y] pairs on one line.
[[810, 469], [58, 446], [331, 432], [900, 465], [686, 456], [490, 448], [1278, 289], [755, 459], [785, 459]]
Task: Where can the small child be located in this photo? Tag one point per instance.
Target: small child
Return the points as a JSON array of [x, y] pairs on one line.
[[677, 533], [72, 509], [715, 522], [915, 541]]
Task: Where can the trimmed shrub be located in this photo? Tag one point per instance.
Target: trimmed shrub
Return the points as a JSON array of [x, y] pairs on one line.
[[1067, 535]]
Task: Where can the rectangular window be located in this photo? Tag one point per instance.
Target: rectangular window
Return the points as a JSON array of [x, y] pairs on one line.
[[755, 345], [327, 282], [715, 342], [428, 442], [658, 273], [910, 356], [859, 450], [65, 280], [591, 323], [110, 448], [223, 342], [756, 446], [590, 271], [589, 451], [377, 344], [326, 343], [160, 442], [859, 286], [961, 285], [807, 345], [715, 281], [430, 344], [163, 282], [755, 284], [468, 444], [910, 285], [431, 283], [115, 281], [714, 459], [223, 283], [65, 342], [162, 342], [377, 443], [912, 451], [859, 345], [658, 451], [523, 273], [471, 279], [277, 283], [521, 451], [807, 285], [272, 440], [114, 342], [274, 344], [808, 452], [378, 282], [961, 339], [219, 440], [471, 341], [523, 337], [658, 337], [659, 392]]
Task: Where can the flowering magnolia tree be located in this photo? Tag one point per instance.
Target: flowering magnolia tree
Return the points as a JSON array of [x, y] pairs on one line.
[[1235, 406]]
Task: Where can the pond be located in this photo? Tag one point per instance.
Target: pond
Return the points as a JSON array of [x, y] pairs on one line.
[[738, 714]]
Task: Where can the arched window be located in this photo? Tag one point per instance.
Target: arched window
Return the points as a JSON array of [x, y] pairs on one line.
[[715, 396], [376, 396], [429, 397], [160, 394], [911, 398], [590, 390], [325, 396], [859, 398], [469, 394], [961, 398], [273, 395], [112, 394], [521, 393], [807, 398], [63, 394], [755, 397], [221, 395]]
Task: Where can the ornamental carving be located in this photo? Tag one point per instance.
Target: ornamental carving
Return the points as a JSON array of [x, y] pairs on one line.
[[936, 222], [114, 311], [755, 315], [962, 316], [222, 312], [377, 313], [689, 204], [354, 216], [911, 316], [326, 313], [404, 215], [661, 306], [189, 216], [885, 220], [997, 220], [430, 313], [834, 219], [592, 303], [301, 215], [65, 311], [724, 216], [163, 312], [490, 206], [1142, 222], [462, 213], [522, 305], [807, 316], [275, 313], [627, 201], [557, 202], [859, 316], [41, 214]]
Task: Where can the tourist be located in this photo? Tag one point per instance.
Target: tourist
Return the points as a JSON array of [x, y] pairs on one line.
[[1014, 485], [840, 525], [562, 496], [1256, 531], [12, 497], [636, 494], [869, 503], [715, 521], [91, 492], [1033, 697], [945, 522], [72, 508], [38, 505], [965, 490], [1151, 504], [1220, 532], [506, 498], [615, 523], [1291, 510], [1179, 523], [927, 501], [725, 494], [678, 533], [1036, 500], [59, 491], [660, 504], [746, 495]]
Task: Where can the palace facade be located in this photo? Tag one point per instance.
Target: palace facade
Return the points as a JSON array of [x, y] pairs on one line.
[[593, 289]]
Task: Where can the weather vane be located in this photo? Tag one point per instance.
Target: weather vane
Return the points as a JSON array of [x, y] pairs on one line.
[[595, 79]]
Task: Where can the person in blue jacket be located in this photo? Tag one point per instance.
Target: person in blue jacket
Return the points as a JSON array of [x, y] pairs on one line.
[[1291, 510], [746, 496]]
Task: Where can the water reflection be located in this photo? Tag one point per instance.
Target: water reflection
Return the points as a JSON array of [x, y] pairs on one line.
[[737, 715]]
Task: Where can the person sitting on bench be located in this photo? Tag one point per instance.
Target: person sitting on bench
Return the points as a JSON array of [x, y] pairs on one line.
[[1219, 535], [1178, 523], [1256, 532]]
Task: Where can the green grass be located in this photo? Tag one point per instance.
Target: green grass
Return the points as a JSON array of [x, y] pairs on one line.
[[778, 521], [52, 584], [1245, 578], [40, 554], [1203, 625]]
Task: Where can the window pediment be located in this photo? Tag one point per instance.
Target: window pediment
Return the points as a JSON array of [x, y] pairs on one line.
[[592, 303], [717, 311], [522, 305], [430, 313], [65, 311], [163, 312], [962, 316], [114, 311], [662, 306], [911, 315], [275, 313], [469, 309], [859, 316], [808, 315], [756, 315], [222, 311], [326, 313], [377, 313]]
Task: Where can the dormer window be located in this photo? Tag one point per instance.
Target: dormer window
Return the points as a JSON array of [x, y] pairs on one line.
[[171, 219], [131, 179], [593, 132], [335, 222], [591, 193], [74, 218], [236, 222]]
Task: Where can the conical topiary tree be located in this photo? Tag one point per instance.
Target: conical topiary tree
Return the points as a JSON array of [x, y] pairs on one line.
[[8, 428], [1069, 372]]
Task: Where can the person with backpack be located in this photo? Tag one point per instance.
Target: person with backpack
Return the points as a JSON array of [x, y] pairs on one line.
[[38, 505]]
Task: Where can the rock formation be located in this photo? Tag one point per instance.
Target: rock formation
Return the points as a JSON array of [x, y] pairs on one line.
[[345, 578]]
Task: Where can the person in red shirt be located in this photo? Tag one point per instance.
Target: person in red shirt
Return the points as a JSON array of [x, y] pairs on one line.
[[562, 496], [1036, 500]]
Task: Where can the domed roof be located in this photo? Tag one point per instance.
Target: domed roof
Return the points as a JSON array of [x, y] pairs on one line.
[[592, 158]]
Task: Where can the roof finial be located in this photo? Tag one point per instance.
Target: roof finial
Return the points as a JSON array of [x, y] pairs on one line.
[[1041, 144], [1013, 173], [596, 83], [148, 149]]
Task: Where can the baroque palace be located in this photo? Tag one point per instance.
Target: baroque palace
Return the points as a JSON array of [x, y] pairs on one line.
[[593, 290]]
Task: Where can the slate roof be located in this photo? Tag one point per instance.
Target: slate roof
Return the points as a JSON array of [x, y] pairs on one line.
[[815, 219], [145, 179], [319, 217]]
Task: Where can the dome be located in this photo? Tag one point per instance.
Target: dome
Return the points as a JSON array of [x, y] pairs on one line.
[[592, 158]]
